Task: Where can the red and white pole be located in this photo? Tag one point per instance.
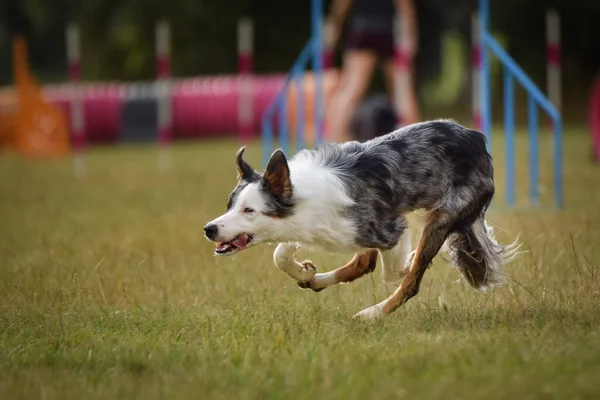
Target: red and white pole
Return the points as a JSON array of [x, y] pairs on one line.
[[77, 118], [476, 72], [402, 63], [163, 75], [245, 62], [553, 58]]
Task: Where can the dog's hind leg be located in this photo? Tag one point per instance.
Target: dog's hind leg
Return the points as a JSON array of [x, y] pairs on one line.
[[360, 265], [283, 256], [434, 235]]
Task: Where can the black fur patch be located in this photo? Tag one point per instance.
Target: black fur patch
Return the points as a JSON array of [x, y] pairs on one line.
[[277, 206], [242, 183]]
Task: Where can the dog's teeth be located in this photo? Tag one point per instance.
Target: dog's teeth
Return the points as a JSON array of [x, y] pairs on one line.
[[223, 247]]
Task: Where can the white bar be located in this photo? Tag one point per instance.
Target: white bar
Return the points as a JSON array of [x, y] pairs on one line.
[[245, 106], [161, 90], [245, 52], [554, 71], [77, 110], [163, 39], [164, 110], [245, 35], [553, 27], [72, 43]]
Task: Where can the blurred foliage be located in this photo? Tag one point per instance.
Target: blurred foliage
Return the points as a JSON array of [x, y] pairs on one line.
[[118, 36]]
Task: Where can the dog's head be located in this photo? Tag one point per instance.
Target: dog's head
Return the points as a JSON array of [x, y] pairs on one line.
[[256, 206]]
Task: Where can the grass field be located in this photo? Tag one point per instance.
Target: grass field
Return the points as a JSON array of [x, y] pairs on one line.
[[109, 290]]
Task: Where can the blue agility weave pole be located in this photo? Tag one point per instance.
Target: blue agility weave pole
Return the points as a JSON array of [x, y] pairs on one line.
[[300, 115], [512, 71], [313, 49], [275, 107], [485, 96], [509, 132], [316, 21]]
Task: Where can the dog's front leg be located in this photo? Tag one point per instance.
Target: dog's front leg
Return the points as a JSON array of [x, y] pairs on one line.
[[283, 256]]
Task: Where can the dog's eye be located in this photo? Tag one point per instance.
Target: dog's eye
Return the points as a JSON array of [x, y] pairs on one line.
[[248, 210]]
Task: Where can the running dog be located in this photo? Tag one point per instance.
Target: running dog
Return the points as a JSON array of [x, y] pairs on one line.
[[354, 197]]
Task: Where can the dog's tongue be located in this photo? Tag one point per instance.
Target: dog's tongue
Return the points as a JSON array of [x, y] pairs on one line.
[[240, 241]]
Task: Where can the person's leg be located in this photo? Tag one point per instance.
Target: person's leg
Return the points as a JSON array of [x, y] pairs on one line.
[[410, 113], [357, 70]]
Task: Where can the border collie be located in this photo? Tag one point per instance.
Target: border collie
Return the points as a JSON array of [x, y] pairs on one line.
[[354, 197]]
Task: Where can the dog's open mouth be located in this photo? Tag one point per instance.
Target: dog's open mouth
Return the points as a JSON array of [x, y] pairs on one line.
[[239, 243]]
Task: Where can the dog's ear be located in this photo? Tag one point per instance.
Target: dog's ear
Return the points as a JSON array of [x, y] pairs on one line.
[[277, 175], [244, 170]]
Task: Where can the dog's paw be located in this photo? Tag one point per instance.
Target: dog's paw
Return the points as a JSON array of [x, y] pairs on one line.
[[315, 284], [307, 271], [310, 285], [371, 313]]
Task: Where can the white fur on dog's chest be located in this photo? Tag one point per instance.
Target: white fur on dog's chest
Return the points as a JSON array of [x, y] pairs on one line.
[[336, 241], [318, 218]]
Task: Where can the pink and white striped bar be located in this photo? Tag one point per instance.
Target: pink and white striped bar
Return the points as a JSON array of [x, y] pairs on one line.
[[402, 62], [553, 58], [163, 92], [245, 64], [76, 98], [475, 71], [163, 61]]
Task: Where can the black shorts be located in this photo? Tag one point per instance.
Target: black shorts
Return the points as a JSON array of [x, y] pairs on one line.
[[372, 36]]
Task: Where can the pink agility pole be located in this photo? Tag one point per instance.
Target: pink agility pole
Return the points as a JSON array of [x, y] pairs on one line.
[[163, 75], [245, 87], [476, 71], [553, 76], [76, 99]]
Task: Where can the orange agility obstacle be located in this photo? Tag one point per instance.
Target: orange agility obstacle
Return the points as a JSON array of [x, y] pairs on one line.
[[331, 80], [40, 128]]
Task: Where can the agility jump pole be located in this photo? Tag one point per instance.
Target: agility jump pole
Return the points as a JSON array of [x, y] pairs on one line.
[[553, 50], [317, 65], [245, 86], [402, 70], [476, 71], [536, 99], [76, 99], [163, 81], [553, 63]]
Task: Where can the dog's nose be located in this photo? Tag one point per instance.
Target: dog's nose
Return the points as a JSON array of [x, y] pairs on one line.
[[210, 231]]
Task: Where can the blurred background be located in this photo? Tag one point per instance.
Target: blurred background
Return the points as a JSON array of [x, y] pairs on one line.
[[117, 43]]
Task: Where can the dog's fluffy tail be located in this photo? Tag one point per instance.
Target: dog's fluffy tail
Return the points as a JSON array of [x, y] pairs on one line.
[[478, 256]]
